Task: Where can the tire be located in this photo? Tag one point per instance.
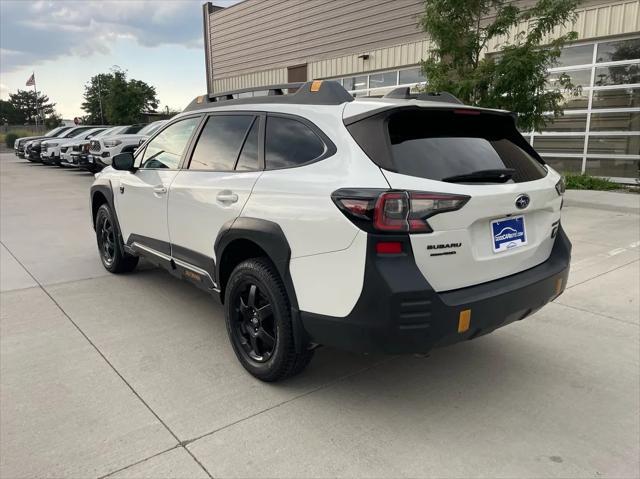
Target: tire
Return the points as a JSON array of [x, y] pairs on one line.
[[258, 319], [112, 254]]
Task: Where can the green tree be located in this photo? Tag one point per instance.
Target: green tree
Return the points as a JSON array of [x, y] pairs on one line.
[[95, 92], [9, 114], [24, 102], [514, 78], [53, 121], [113, 99]]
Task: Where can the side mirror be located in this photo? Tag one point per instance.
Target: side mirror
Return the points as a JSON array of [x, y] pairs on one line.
[[123, 162]]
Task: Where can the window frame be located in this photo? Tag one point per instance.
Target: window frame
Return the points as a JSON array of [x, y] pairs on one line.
[[329, 147], [257, 116], [143, 148]]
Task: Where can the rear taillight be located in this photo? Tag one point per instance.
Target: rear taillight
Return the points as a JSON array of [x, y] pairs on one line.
[[395, 211]]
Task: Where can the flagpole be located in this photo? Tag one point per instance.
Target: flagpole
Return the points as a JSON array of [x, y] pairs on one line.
[[35, 90]]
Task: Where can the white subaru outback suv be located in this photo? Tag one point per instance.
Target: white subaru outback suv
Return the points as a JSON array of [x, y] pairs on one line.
[[390, 225]]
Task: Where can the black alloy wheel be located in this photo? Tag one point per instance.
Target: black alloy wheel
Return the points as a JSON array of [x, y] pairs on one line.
[[260, 324], [106, 240], [254, 327], [112, 254]]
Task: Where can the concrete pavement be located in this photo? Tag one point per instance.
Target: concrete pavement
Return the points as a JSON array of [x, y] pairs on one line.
[[133, 376]]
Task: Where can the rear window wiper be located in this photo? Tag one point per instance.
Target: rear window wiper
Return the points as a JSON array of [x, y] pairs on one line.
[[501, 175]]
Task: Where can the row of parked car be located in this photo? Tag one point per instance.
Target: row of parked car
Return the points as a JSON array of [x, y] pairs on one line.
[[90, 147]]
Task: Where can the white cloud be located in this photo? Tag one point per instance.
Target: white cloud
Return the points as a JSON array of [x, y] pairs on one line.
[[36, 31]]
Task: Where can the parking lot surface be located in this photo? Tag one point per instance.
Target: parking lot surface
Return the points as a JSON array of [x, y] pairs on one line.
[[133, 375]]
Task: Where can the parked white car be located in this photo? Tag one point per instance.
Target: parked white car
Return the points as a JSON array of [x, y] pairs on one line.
[[20, 143], [60, 149], [392, 225], [103, 149], [48, 149], [71, 151]]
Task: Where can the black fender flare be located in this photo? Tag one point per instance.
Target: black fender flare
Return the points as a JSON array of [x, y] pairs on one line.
[[272, 240], [107, 191]]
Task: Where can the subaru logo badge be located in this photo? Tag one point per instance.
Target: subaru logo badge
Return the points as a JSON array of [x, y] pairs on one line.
[[522, 201]]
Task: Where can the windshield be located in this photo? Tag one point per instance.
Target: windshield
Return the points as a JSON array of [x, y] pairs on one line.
[[93, 133], [151, 128], [53, 132], [107, 132], [75, 133], [61, 132], [441, 144], [133, 129]]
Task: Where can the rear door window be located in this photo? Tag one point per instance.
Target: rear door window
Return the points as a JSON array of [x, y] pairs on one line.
[[443, 144], [290, 143], [220, 141]]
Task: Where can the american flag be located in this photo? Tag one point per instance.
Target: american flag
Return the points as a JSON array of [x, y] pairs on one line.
[[32, 80]]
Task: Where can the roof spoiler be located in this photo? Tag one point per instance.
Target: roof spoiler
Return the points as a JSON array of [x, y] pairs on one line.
[[404, 93], [317, 92]]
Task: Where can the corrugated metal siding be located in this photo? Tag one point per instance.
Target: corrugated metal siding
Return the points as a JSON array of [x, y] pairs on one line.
[[612, 18], [380, 59], [267, 34], [248, 80]]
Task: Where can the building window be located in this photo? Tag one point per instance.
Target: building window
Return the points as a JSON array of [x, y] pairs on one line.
[[599, 133], [576, 55], [380, 83], [413, 75]]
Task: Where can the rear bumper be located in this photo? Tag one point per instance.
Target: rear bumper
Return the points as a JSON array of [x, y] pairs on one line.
[[399, 312]]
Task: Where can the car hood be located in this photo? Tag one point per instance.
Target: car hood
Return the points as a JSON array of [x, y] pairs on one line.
[[132, 138], [26, 139]]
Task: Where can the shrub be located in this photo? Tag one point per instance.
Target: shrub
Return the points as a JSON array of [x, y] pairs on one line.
[[10, 139], [586, 182]]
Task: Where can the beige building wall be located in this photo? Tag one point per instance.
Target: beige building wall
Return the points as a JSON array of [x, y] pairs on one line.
[[253, 42]]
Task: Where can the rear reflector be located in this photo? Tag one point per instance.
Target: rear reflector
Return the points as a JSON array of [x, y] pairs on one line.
[[464, 320], [559, 286], [389, 247]]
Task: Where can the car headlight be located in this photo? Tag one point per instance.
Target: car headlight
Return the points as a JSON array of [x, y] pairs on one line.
[[112, 143], [51, 144], [561, 186]]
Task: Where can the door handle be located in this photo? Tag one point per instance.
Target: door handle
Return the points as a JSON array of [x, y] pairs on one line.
[[227, 197], [159, 190]]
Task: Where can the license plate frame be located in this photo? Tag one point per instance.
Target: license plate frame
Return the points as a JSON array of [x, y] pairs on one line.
[[508, 233]]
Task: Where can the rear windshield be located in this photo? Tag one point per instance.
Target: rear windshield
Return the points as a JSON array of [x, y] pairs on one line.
[[441, 144], [133, 129]]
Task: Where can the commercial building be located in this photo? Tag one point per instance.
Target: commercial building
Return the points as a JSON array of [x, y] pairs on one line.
[[372, 45]]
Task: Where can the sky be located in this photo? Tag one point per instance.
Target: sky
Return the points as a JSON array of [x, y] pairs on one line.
[[65, 42]]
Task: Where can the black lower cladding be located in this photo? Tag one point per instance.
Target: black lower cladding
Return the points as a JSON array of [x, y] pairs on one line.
[[399, 312]]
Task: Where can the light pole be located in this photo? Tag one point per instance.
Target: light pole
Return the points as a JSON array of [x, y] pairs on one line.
[[100, 100]]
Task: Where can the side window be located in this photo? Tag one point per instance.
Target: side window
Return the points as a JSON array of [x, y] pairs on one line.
[[220, 142], [290, 143], [166, 149], [248, 160]]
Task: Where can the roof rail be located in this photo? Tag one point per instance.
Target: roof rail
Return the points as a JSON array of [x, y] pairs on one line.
[[404, 93], [317, 92]]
